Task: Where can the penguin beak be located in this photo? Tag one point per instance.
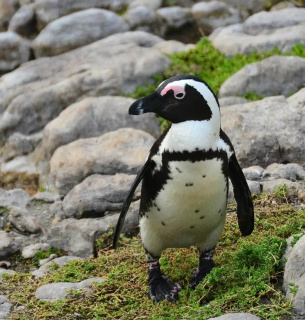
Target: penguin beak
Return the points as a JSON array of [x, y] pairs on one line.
[[150, 103]]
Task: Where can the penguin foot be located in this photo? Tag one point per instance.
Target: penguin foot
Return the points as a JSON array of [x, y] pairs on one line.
[[206, 264], [163, 289]]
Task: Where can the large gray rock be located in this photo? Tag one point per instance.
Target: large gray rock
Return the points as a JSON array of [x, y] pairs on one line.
[[93, 117], [289, 171], [60, 290], [275, 75], [33, 95], [231, 43], [295, 274], [140, 18], [7, 246], [236, 316], [4, 272], [49, 10], [14, 50], [7, 10], [120, 151], [78, 237], [14, 198], [19, 144], [214, 14], [266, 21], [253, 173], [292, 186], [96, 195], [171, 18], [266, 131], [76, 30], [5, 307], [152, 4], [23, 22]]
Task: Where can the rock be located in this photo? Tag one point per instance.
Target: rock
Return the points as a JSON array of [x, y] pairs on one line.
[[289, 171], [4, 272], [295, 266], [260, 135], [14, 198], [255, 187], [14, 51], [93, 117], [57, 210], [297, 100], [7, 10], [229, 101], [49, 197], [78, 237], [231, 43], [236, 316], [254, 173], [172, 46], [30, 250], [298, 302], [46, 260], [5, 264], [5, 307], [273, 185], [287, 250], [33, 95], [276, 75], [49, 10], [96, 195], [7, 247], [84, 27], [58, 290], [301, 195], [171, 18], [47, 267], [24, 222], [120, 151], [19, 144], [266, 21], [213, 14], [140, 18], [250, 6], [152, 4], [23, 22]]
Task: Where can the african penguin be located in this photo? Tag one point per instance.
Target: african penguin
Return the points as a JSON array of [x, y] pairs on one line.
[[185, 181]]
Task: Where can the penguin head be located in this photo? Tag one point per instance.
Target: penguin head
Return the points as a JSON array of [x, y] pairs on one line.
[[178, 99]]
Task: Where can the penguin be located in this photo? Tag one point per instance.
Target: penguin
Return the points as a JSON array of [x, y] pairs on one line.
[[185, 181]]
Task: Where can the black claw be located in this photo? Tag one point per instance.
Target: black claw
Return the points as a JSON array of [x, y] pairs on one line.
[[164, 289]]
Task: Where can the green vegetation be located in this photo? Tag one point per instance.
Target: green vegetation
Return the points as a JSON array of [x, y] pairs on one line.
[[247, 276]]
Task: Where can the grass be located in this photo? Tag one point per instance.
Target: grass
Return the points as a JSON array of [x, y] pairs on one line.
[[247, 277]]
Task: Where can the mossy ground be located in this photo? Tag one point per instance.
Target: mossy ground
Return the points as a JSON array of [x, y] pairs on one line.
[[247, 276]]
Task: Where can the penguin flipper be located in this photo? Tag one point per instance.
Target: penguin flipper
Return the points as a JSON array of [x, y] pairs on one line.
[[127, 202], [242, 194]]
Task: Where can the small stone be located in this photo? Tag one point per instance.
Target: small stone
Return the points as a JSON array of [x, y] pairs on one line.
[[301, 195], [30, 250], [48, 197], [50, 258], [253, 173], [5, 271]]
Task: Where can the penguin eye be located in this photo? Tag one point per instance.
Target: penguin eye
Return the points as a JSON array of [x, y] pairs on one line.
[[179, 95]]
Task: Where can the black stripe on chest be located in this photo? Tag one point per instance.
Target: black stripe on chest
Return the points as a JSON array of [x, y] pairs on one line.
[[154, 180]]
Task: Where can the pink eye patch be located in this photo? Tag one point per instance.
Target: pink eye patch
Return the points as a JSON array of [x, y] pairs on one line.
[[179, 92]]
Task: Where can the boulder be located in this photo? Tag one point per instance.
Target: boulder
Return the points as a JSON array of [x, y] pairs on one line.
[[49, 10], [60, 290], [294, 275], [120, 151], [7, 10], [289, 171], [276, 75], [213, 14], [14, 198], [14, 50], [282, 5], [35, 94], [273, 185], [231, 42], [23, 22], [7, 246], [253, 173], [236, 316], [78, 237], [172, 46], [266, 21], [5, 307], [171, 18], [152, 4], [92, 117], [229, 101], [97, 195], [266, 131], [140, 18], [19, 144], [76, 30]]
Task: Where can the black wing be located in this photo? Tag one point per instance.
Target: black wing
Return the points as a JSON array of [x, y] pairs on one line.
[[242, 194], [127, 202]]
